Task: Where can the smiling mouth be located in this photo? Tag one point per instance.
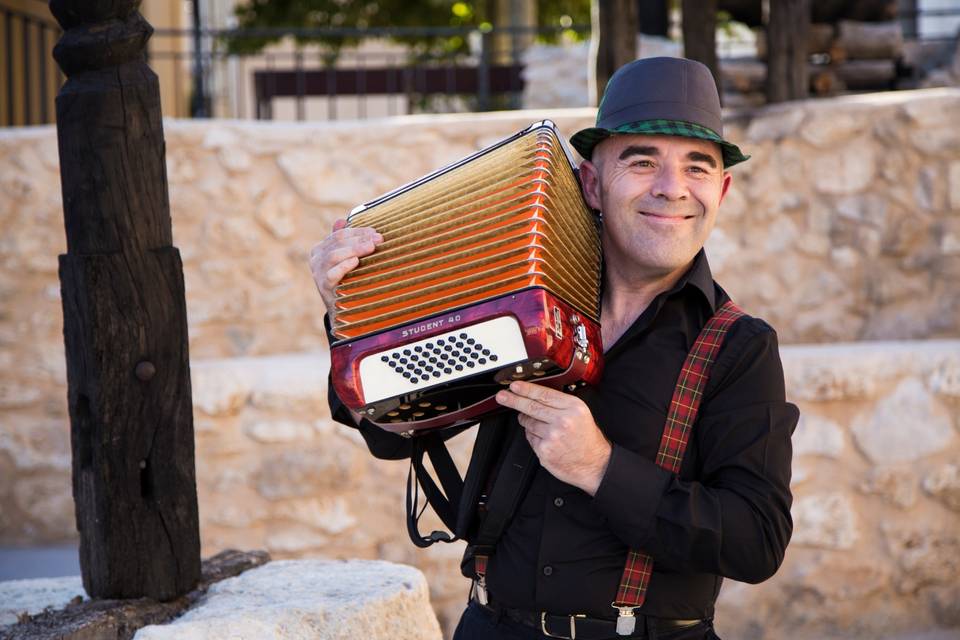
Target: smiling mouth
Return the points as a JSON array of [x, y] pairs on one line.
[[660, 216]]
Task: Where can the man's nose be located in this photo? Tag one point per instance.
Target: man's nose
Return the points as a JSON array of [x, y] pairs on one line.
[[669, 184]]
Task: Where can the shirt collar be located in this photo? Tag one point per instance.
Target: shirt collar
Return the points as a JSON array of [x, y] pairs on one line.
[[701, 278]]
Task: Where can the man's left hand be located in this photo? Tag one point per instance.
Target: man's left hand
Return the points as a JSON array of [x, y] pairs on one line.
[[562, 432]]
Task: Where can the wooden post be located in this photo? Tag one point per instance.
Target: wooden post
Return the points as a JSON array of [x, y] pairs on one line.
[[124, 313], [787, 50], [699, 19], [613, 41]]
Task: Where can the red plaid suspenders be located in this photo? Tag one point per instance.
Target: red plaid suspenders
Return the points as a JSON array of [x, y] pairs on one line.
[[673, 443]]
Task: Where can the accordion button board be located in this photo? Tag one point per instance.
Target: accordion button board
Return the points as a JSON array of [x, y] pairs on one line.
[[498, 247], [485, 346]]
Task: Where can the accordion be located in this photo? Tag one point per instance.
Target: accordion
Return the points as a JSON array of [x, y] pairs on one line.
[[488, 272]]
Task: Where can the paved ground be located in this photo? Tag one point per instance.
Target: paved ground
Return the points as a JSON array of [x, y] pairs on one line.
[[39, 562]]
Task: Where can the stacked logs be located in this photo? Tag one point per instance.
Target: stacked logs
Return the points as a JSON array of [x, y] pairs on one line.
[[847, 56]]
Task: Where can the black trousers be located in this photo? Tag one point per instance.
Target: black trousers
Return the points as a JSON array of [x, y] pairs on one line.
[[479, 624]]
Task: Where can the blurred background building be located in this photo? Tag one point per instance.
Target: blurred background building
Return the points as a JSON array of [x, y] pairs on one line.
[[326, 60]]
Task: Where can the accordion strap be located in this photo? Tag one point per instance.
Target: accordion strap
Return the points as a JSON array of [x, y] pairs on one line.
[[448, 503], [684, 407], [445, 503]]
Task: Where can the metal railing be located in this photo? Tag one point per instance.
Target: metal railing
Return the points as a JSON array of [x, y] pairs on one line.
[[321, 80], [379, 72]]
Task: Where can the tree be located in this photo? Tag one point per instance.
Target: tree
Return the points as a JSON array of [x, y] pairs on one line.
[[613, 41], [700, 34], [787, 50], [351, 15]]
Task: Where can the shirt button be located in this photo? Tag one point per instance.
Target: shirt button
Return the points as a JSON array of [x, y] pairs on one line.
[[548, 570], [558, 502]]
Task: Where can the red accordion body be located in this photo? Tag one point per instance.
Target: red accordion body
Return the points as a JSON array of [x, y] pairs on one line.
[[488, 273]]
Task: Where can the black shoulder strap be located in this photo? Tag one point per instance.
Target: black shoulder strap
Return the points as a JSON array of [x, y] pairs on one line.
[[445, 502], [513, 480], [455, 500]]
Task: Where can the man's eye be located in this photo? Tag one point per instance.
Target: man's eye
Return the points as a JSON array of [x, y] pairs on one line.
[[642, 163], [696, 169]]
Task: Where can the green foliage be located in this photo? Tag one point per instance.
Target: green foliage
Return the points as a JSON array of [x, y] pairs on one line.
[[365, 14]]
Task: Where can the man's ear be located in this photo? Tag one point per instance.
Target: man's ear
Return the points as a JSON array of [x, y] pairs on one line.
[[727, 181], [590, 182]]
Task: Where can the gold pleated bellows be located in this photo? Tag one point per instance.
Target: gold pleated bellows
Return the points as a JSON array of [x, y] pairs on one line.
[[505, 219]]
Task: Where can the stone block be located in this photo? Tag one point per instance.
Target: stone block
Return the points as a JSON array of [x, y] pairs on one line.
[[288, 540], [937, 140], [925, 556], [848, 170], [895, 485], [825, 520], [48, 502], [309, 599], [775, 123], [945, 379], [816, 435], [279, 431], [825, 128], [943, 483], [932, 110], [332, 515], [304, 472], [33, 596], [906, 425], [953, 185]]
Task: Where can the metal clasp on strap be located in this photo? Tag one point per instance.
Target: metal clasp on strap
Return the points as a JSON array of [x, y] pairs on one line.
[[479, 588], [626, 620], [573, 626]]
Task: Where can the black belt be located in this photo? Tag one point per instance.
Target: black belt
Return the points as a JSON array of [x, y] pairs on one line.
[[581, 627]]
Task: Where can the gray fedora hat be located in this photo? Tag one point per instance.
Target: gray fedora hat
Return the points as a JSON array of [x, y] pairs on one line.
[[660, 96]]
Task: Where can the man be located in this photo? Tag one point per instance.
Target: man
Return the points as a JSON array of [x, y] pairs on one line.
[[655, 169]]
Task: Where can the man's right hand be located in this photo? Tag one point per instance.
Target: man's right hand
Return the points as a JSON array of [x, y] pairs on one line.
[[338, 254]]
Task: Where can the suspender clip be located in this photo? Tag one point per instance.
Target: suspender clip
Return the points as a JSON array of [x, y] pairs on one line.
[[626, 621], [480, 590]]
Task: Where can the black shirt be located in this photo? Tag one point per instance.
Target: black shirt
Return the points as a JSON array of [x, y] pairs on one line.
[[727, 514]]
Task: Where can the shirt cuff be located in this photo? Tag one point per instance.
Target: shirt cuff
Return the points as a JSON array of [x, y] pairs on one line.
[[629, 495]]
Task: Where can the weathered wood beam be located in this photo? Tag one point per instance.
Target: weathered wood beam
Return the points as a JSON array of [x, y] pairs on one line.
[[125, 328]]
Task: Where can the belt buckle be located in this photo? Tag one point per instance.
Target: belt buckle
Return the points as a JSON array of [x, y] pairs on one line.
[[573, 626]]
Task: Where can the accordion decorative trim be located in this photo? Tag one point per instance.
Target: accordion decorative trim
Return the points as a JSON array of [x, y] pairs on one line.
[[507, 218]]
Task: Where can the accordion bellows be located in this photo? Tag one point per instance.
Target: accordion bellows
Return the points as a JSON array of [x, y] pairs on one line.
[[509, 219], [489, 272]]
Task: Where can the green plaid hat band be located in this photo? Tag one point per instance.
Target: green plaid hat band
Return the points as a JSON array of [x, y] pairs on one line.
[[585, 140]]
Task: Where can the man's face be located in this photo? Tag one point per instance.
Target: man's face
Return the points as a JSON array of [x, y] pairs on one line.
[[659, 196]]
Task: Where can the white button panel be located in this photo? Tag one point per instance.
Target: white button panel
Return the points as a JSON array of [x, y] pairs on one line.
[[442, 358]]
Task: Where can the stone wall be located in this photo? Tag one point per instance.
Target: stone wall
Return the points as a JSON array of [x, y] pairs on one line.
[[844, 226]]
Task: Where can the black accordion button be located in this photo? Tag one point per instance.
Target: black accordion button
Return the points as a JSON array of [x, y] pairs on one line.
[[470, 364], [463, 336], [470, 340], [485, 352], [406, 352], [458, 367], [385, 358], [482, 361], [493, 358]]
